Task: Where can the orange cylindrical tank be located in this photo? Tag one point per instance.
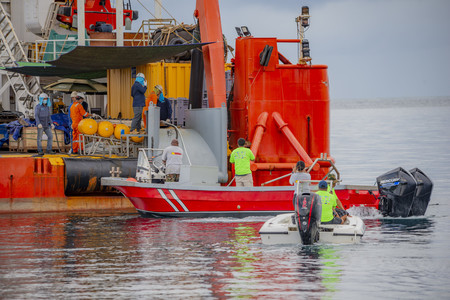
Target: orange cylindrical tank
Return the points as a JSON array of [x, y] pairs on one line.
[[87, 126], [297, 94]]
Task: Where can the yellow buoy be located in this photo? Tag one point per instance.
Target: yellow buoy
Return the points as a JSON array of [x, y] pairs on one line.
[[87, 126], [105, 129], [121, 129], [137, 139]]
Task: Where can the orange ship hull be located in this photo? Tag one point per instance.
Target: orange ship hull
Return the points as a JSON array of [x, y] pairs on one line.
[[37, 184]]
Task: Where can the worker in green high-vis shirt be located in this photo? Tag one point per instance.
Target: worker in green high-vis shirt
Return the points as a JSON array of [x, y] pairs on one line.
[[241, 158], [329, 215]]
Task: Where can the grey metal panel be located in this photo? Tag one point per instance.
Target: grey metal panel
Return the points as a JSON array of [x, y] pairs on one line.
[[153, 127], [199, 161], [211, 124]]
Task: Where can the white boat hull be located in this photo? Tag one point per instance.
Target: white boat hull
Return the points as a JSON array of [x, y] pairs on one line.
[[282, 229]]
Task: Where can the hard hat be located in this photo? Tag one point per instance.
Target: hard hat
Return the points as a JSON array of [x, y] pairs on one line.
[[158, 87], [140, 75], [43, 96], [323, 184], [74, 94], [81, 95]]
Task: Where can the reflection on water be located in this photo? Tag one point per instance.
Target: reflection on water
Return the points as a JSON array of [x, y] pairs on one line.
[[416, 230], [115, 256], [417, 225], [122, 256]]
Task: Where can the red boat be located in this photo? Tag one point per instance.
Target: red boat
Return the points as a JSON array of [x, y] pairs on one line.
[[172, 200]]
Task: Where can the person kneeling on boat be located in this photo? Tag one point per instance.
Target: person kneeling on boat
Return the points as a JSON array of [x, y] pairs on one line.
[[172, 157], [241, 158], [329, 215]]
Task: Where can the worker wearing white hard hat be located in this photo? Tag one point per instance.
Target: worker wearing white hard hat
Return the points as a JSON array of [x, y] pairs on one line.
[[77, 113], [138, 93], [42, 114]]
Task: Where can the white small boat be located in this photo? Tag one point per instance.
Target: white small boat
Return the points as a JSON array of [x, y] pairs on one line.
[[283, 229]]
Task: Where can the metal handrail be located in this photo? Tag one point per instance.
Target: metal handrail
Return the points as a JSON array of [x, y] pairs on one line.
[[40, 46], [322, 158], [182, 141]]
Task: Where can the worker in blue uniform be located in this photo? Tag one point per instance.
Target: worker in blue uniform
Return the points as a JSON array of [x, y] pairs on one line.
[[42, 115], [165, 113], [138, 93]]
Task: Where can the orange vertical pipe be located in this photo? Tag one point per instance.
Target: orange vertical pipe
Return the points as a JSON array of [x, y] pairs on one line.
[[259, 132], [208, 14], [291, 138]]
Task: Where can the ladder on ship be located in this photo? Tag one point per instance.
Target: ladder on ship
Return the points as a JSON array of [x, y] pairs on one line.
[[51, 19], [25, 88]]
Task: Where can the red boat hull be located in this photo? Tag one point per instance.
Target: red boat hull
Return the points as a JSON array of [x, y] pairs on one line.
[[156, 200]]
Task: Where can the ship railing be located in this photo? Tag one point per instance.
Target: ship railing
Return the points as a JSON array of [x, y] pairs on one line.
[[324, 160], [145, 153], [95, 144], [52, 49], [180, 136]]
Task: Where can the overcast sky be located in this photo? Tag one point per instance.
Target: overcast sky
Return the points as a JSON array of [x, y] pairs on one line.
[[373, 48]]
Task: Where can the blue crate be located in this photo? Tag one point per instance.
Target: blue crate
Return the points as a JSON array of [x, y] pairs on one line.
[[3, 129]]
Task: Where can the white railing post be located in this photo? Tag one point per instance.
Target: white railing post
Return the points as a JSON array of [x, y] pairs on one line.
[[119, 22], [80, 23]]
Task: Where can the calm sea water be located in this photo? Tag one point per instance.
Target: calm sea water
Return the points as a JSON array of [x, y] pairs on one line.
[[124, 256]]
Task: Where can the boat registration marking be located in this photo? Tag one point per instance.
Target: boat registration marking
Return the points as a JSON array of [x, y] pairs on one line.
[[161, 193], [178, 200]]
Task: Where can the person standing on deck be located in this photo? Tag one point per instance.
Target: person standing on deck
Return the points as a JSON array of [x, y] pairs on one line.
[[138, 93], [77, 113], [241, 158], [73, 97], [172, 157], [44, 123]]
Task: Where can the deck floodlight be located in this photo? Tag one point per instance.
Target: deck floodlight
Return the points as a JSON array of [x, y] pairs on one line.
[[239, 31], [305, 10], [305, 16], [245, 31]]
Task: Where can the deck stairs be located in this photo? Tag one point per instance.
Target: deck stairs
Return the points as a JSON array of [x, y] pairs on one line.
[[51, 19], [26, 88]]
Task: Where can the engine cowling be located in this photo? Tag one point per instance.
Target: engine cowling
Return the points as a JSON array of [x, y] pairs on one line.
[[404, 193], [308, 212]]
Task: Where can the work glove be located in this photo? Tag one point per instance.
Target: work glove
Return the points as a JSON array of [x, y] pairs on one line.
[[168, 120], [52, 126], [39, 125], [145, 82], [95, 115]]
